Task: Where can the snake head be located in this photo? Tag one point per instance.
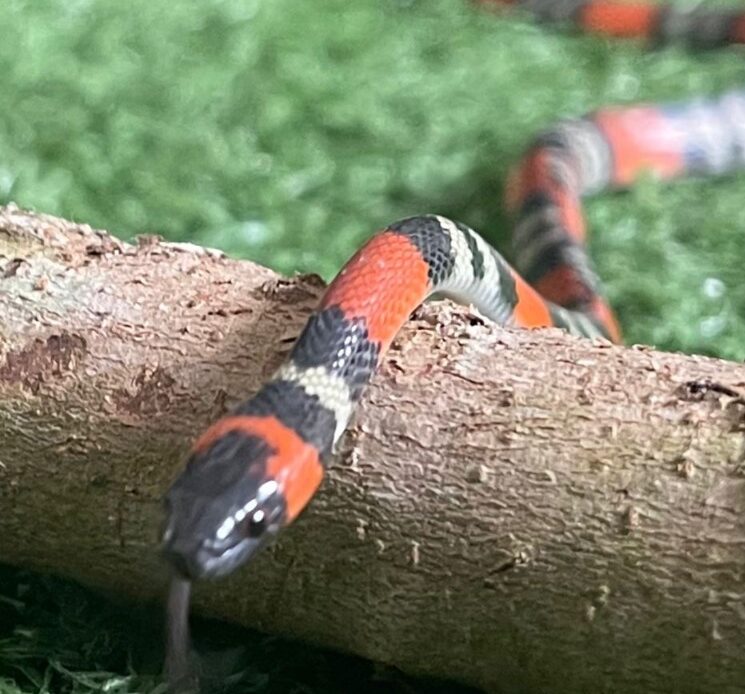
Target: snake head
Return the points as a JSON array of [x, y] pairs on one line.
[[223, 508]]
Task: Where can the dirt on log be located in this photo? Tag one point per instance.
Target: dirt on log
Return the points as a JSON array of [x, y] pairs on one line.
[[519, 510]]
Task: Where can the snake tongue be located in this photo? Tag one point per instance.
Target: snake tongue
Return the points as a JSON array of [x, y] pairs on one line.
[[179, 674]]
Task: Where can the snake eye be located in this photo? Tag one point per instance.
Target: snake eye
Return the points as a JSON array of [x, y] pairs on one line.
[[257, 524]]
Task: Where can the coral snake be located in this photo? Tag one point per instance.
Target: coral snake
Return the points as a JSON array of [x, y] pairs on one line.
[[253, 471]]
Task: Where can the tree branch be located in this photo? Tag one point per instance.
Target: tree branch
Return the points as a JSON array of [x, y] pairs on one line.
[[520, 510]]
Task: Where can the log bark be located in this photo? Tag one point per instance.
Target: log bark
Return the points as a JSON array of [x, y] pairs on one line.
[[519, 510]]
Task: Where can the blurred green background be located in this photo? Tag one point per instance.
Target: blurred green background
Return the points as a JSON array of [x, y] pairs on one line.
[[288, 132]]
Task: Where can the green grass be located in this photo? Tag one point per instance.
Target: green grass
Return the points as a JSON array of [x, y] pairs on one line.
[[287, 132]]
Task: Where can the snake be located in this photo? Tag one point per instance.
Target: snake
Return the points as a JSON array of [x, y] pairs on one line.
[[254, 470]]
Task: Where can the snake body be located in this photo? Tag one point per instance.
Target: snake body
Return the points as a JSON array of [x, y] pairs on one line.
[[253, 471], [694, 24]]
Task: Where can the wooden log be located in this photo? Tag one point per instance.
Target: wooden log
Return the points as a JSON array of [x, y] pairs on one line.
[[519, 510]]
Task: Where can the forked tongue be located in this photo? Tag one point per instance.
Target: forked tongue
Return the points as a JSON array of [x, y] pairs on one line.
[[181, 677]]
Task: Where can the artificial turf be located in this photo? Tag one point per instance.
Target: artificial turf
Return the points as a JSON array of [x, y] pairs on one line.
[[287, 132]]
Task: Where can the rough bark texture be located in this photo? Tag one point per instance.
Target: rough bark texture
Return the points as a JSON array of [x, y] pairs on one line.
[[520, 510]]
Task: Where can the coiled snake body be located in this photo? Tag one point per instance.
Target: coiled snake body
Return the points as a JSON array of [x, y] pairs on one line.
[[252, 472]]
